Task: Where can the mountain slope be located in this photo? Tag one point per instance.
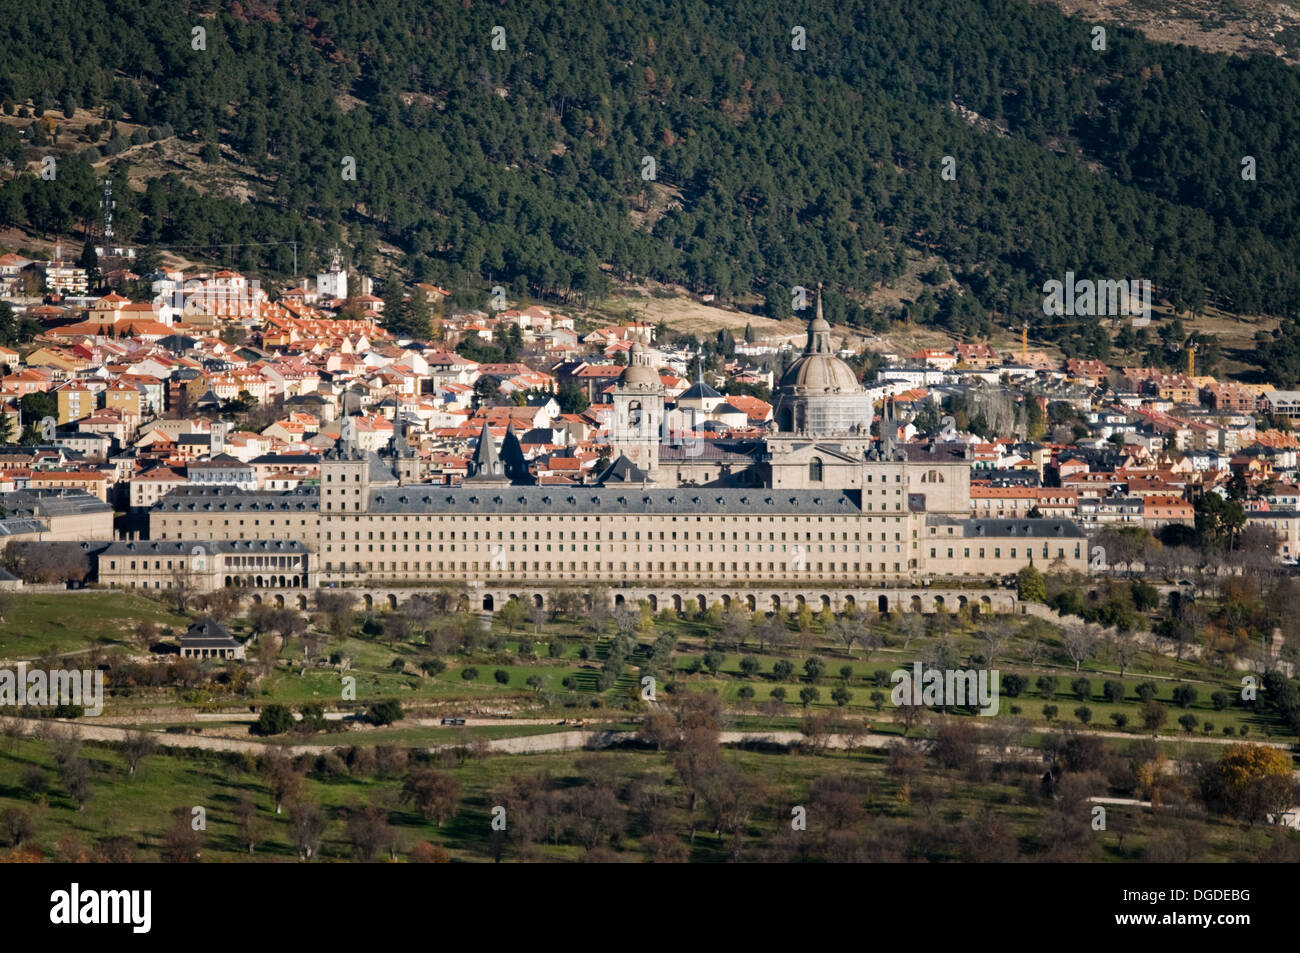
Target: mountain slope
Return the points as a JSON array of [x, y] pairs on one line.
[[525, 165]]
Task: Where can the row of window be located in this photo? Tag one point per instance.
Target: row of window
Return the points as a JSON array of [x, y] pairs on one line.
[[636, 536], [596, 547], [165, 524], [231, 562], [653, 567], [997, 552]]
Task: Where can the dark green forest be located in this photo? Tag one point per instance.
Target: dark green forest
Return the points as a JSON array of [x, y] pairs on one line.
[[523, 166]]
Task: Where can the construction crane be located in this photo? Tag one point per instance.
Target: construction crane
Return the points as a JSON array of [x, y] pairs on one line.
[[1024, 334], [1191, 360]]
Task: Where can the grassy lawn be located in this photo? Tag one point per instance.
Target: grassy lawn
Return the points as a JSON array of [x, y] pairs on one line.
[[140, 808], [67, 622], [39, 623]]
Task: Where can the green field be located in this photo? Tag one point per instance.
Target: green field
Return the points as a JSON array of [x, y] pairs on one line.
[[936, 816], [37, 624], [906, 801]]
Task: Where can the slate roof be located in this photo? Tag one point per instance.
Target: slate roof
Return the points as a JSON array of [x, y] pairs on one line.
[[739, 452], [1025, 528], [20, 527], [33, 504], [208, 634], [623, 470], [185, 547], [698, 391], [207, 499], [222, 461], [286, 459], [596, 500]]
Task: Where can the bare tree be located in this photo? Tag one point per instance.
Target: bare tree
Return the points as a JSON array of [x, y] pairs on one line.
[[778, 633], [436, 795], [911, 715], [287, 624], [818, 728], [397, 628], [307, 824], [137, 746], [1126, 646], [370, 832], [732, 801], [955, 744], [74, 775], [282, 776], [994, 636], [182, 587], [250, 827], [625, 620], [219, 603], [1080, 641], [846, 630], [910, 625], [1122, 548], [47, 562], [334, 611], [853, 732], [906, 760], [1034, 650], [310, 643], [1257, 549], [597, 609], [181, 843], [18, 826], [565, 602], [735, 626], [941, 653], [595, 815], [420, 613], [1188, 627]]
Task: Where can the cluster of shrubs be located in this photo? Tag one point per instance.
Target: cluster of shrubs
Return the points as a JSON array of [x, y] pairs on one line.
[[279, 719]]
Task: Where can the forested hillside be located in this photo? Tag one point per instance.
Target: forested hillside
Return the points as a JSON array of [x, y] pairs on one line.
[[773, 166]]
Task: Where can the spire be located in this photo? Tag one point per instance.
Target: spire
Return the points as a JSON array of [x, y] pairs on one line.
[[512, 456], [400, 446], [888, 429], [819, 332], [486, 465]]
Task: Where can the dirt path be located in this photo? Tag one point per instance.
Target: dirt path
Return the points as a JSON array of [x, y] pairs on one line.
[[94, 732], [530, 744]]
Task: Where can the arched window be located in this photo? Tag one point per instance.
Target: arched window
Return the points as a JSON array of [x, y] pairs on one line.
[[815, 470]]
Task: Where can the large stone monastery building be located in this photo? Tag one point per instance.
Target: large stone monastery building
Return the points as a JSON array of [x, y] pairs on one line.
[[816, 501]]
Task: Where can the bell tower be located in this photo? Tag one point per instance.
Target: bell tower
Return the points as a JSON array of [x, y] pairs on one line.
[[638, 412]]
